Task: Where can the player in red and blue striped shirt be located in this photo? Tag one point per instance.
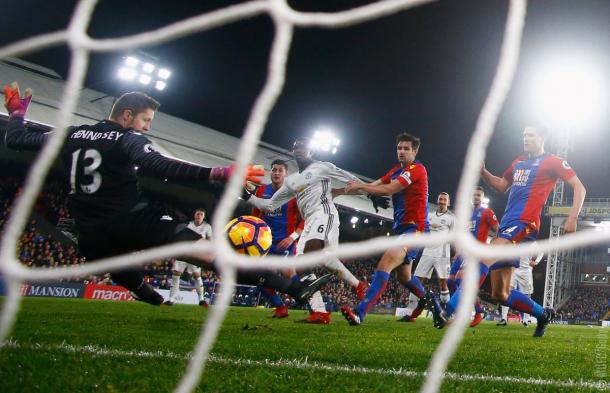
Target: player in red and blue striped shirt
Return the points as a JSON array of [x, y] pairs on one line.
[[530, 179], [407, 183]]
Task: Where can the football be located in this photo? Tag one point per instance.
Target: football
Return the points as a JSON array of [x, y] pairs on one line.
[[249, 235]]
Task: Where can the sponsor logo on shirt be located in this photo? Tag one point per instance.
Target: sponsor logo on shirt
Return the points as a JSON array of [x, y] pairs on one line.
[[148, 148], [521, 176]]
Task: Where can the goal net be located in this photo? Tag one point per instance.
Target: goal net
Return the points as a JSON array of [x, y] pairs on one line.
[[285, 20]]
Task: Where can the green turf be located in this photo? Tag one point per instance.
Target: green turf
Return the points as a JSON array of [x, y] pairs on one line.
[[43, 325]]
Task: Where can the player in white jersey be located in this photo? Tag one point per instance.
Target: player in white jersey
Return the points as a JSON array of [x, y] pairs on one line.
[[435, 258], [204, 229], [313, 190], [523, 281]]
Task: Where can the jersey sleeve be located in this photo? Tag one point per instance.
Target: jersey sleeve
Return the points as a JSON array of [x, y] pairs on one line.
[[281, 196], [410, 175], [207, 234], [562, 169], [338, 174], [259, 193], [490, 218], [387, 178], [141, 151], [18, 137]]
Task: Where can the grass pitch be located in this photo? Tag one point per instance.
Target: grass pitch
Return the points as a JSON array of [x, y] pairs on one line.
[[82, 345]]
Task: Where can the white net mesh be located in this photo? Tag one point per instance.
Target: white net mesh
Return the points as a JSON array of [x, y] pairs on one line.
[[285, 20]]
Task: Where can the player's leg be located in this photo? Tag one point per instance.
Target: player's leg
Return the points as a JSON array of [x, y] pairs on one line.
[[415, 284], [441, 266], [99, 243], [390, 260], [195, 272], [178, 268]]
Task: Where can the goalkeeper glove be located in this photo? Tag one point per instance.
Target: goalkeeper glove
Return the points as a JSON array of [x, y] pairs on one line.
[[379, 202], [15, 105], [223, 173]]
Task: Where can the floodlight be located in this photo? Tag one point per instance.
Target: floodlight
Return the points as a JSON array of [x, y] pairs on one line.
[[325, 140], [127, 73], [144, 79], [568, 93], [131, 61], [164, 73], [160, 85], [148, 67], [366, 220], [354, 219]]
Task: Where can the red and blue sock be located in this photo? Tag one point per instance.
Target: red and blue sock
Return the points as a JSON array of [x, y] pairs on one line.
[[415, 286], [520, 302], [380, 281], [274, 299], [455, 298]]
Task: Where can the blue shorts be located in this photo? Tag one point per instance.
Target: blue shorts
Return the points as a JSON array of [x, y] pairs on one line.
[[517, 232], [412, 252], [290, 251]]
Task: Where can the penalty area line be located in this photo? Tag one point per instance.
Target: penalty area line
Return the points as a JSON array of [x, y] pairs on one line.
[[304, 365]]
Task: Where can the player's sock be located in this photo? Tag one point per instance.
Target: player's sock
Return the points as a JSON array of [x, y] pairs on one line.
[[380, 281], [452, 285], [274, 299], [199, 288], [452, 305], [334, 265], [483, 272], [504, 313], [316, 303], [477, 306], [415, 287], [525, 317], [520, 302], [412, 305], [173, 291], [445, 296]]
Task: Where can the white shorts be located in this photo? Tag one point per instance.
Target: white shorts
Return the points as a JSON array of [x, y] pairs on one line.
[[428, 263], [320, 226], [523, 281], [180, 266]]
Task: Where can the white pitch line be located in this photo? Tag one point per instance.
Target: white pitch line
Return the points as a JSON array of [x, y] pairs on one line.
[[307, 365]]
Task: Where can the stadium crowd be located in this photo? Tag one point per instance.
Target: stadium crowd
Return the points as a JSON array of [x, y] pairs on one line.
[[588, 303]]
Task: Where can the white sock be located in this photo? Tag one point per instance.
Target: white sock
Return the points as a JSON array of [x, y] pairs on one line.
[[175, 288], [413, 300], [526, 317], [199, 287], [505, 313], [335, 266], [316, 303], [445, 296]]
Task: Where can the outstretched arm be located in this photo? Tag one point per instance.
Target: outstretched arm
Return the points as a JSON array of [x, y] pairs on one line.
[[376, 188], [579, 198], [281, 196], [499, 184]]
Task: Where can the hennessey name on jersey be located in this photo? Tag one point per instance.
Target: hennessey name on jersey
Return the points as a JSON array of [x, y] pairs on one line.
[[94, 135]]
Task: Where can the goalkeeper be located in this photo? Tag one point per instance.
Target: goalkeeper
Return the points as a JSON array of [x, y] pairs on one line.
[[104, 197]]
